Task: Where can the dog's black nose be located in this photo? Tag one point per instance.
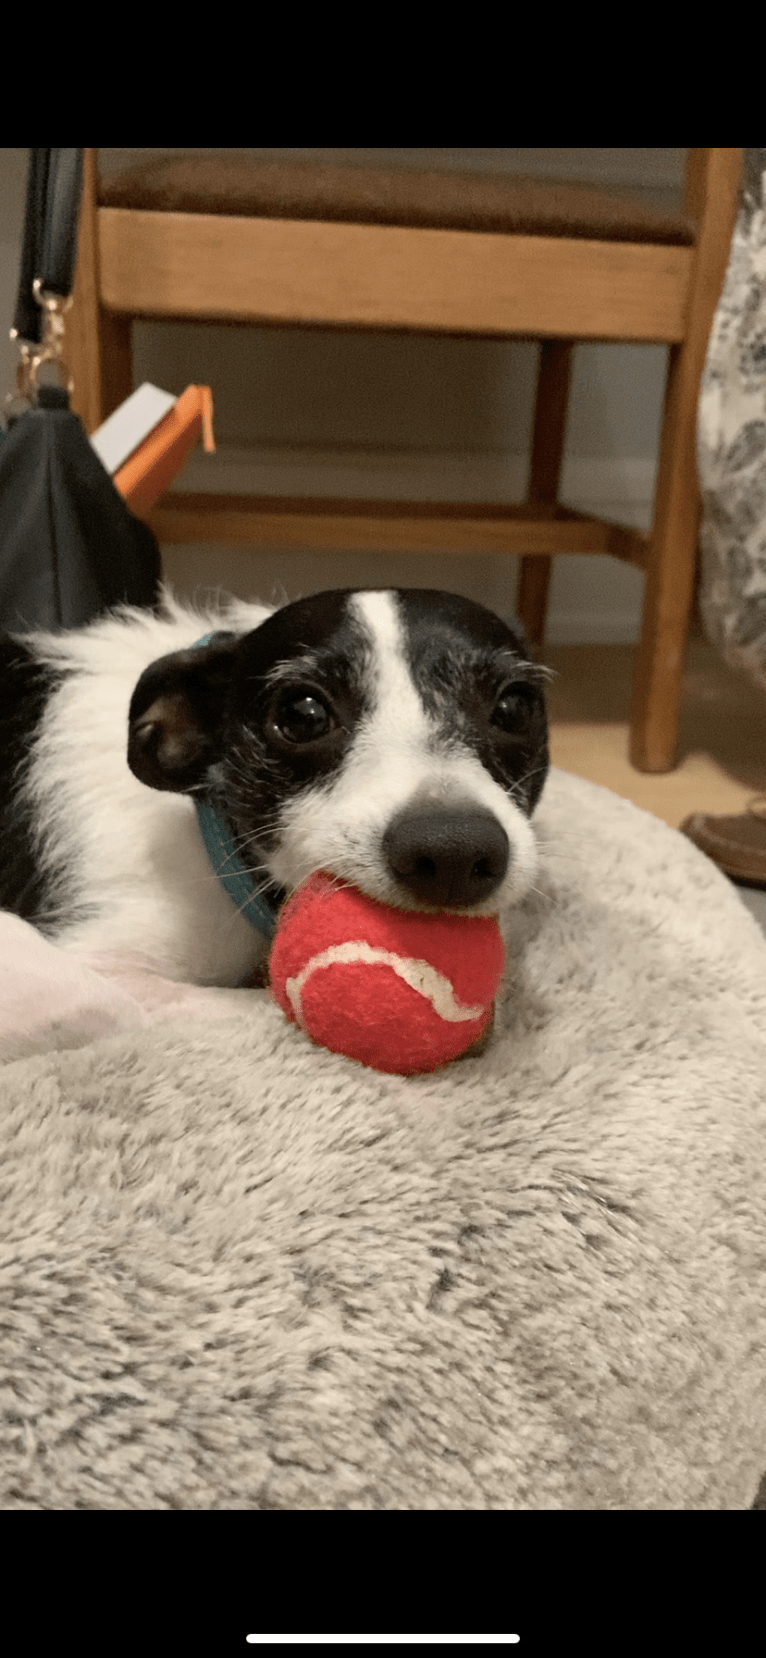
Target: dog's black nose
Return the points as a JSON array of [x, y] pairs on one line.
[[451, 856]]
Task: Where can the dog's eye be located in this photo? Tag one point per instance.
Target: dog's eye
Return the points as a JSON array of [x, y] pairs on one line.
[[513, 709], [302, 717]]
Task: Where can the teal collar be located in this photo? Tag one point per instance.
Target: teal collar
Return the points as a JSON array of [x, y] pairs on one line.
[[236, 880]]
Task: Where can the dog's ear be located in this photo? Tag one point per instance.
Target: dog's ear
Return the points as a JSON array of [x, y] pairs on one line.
[[177, 715]]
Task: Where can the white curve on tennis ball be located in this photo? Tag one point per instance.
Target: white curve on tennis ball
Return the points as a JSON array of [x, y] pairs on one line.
[[419, 975]]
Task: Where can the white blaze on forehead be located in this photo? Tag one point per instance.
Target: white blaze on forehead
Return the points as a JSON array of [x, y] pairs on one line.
[[398, 716]]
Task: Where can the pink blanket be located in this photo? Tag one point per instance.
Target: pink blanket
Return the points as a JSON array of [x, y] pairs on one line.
[[50, 1000]]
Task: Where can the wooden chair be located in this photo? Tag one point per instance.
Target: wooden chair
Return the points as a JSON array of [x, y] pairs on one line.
[[213, 238]]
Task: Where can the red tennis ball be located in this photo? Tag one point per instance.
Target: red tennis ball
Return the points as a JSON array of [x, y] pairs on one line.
[[399, 991]]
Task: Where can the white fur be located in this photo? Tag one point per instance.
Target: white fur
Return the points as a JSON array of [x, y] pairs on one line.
[[136, 853]]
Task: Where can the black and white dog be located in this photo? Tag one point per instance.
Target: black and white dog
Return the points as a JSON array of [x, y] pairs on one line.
[[167, 778]]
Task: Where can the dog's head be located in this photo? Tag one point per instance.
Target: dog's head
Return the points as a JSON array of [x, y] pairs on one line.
[[397, 739]]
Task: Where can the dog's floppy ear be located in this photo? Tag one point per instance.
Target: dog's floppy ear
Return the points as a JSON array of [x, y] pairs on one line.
[[177, 714]]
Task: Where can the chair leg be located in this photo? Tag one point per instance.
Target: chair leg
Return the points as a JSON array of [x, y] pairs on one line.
[[115, 360], [670, 574], [98, 343], [547, 455], [712, 196], [532, 600]]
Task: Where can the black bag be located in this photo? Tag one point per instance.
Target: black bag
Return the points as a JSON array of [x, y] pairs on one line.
[[69, 546]]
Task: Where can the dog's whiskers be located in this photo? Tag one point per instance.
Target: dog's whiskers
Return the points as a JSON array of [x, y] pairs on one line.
[[551, 897]]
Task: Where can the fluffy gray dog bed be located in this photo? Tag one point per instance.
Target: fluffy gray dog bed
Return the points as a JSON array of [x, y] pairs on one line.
[[239, 1272]]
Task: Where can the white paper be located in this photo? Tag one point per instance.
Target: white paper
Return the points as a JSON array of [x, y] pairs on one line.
[[130, 425]]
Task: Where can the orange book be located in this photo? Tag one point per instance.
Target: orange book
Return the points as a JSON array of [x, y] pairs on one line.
[[150, 470]]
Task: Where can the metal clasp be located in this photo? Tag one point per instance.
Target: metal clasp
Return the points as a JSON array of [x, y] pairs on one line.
[[41, 364], [20, 401], [51, 350]]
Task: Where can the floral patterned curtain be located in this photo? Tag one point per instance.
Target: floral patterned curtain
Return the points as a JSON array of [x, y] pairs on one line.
[[731, 443]]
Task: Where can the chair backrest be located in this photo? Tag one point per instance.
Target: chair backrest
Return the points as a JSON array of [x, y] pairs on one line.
[[157, 264]]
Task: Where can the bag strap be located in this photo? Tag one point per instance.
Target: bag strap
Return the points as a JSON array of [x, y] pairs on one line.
[[62, 217], [54, 190], [27, 319]]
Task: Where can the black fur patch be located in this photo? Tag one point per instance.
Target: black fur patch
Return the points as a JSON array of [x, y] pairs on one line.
[[314, 645], [462, 657], [26, 686]]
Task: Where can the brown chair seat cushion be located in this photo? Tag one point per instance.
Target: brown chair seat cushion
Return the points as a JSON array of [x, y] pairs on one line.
[[237, 185]]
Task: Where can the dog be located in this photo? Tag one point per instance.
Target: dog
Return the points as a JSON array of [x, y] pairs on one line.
[[157, 766]]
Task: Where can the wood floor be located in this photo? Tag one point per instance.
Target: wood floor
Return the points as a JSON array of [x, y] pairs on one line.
[[722, 745]]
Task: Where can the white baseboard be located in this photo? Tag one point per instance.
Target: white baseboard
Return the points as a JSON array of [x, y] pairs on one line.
[[592, 600]]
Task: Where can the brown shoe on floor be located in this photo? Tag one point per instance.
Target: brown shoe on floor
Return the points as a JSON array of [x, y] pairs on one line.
[[736, 844]]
